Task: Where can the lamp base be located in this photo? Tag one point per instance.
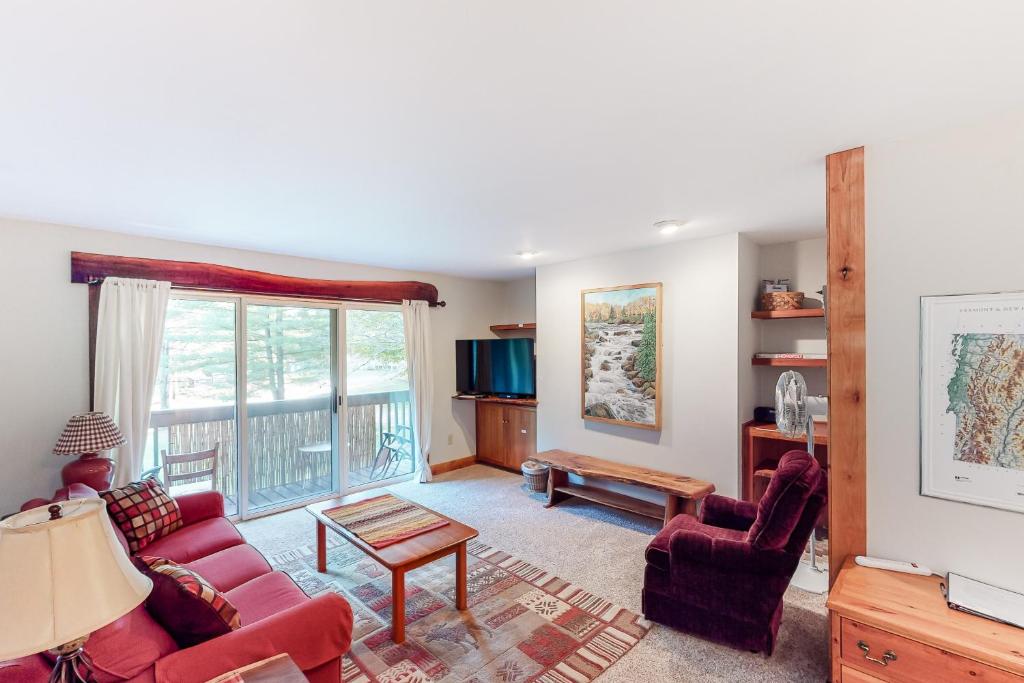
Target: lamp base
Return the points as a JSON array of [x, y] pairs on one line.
[[91, 470], [72, 665]]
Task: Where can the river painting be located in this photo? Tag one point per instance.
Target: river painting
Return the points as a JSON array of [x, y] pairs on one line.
[[622, 355]]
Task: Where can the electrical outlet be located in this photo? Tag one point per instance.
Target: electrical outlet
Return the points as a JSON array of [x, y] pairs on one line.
[[451, 439]]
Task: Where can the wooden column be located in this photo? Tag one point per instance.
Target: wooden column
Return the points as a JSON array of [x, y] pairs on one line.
[[847, 372]]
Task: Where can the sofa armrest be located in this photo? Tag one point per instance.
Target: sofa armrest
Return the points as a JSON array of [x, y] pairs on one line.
[[31, 669], [196, 507], [312, 634], [690, 545], [70, 492], [728, 513]]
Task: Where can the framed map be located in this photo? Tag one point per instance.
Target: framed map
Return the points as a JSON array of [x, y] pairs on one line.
[[972, 399]]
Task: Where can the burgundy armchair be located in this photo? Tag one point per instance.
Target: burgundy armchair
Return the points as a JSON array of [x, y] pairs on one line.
[[722, 577]]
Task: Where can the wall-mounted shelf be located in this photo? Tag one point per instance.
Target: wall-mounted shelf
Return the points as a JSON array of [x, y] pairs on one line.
[[797, 313], [513, 327], [791, 362], [495, 399]]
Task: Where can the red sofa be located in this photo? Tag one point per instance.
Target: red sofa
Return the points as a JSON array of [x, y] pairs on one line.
[[277, 616]]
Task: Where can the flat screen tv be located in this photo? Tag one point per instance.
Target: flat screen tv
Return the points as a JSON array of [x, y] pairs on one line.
[[498, 367]]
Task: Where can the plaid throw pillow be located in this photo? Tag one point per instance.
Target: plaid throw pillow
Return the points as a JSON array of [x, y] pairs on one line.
[[185, 603], [143, 512]]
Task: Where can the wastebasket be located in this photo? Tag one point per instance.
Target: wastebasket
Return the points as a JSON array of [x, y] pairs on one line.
[[536, 475]]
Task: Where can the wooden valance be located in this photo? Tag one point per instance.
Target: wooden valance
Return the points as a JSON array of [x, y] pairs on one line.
[[93, 268]]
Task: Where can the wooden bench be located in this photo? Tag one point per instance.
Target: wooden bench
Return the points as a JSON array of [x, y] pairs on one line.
[[682, 494]]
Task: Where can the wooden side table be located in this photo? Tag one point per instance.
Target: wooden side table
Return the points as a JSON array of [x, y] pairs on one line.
[[277, 669], [763, 445], [889, 626]]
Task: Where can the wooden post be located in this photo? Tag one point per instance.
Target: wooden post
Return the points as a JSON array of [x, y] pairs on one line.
[[847, 372], [460, 577]]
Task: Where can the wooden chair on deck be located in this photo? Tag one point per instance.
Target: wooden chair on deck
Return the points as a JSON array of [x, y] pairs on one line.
[[394, 448], [186, 471]]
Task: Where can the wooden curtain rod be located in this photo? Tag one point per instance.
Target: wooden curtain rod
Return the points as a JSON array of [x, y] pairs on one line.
[[93, 268]]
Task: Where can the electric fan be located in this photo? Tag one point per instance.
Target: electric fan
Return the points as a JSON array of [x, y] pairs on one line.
[[791, 404], [793, 420]]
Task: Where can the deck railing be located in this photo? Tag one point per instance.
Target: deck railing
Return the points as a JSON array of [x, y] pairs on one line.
[[287, 439]]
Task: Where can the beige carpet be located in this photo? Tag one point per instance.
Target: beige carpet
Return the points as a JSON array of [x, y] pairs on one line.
[[602, 551]]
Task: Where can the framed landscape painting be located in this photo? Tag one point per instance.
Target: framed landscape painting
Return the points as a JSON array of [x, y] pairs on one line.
[[621, 354], [972, 399]]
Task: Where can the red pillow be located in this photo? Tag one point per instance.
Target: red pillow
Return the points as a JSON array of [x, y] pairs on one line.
[[143, 512], [185, 603]]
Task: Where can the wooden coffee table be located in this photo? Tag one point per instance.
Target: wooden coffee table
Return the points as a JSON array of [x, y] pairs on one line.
[[400, 557]]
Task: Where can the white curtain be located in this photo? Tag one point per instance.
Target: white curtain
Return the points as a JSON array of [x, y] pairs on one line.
[[416, 315], [129, 334]]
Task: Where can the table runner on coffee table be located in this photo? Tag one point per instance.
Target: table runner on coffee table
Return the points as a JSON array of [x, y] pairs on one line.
[[385, 520]]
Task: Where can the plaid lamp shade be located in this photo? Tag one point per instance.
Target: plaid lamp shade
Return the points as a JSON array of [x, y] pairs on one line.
[[88, 433]]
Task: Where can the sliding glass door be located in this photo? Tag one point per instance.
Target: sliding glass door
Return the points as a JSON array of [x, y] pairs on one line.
[[248, 395], [193, 440], [290, 400], [379, 415]]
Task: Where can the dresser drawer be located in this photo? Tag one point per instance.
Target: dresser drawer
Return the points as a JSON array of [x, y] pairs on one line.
[[855, 676], [894, 658]]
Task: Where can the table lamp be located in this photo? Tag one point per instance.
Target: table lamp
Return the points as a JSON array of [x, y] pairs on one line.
[[63, 574], [88, 434]]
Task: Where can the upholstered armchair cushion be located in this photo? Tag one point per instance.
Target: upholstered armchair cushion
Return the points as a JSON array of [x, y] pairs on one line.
[[658, 550], [783, 502], [715, 547], [728, 513]]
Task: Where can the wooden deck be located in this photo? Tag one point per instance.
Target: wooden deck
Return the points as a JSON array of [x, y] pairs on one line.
[[271, 496]]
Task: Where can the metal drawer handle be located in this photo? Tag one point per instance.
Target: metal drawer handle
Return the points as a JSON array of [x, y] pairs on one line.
[[887, 656]]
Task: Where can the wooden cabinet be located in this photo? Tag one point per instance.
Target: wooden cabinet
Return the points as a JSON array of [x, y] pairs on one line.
[[764, 445], [505, 433], [490, 424], [888, 626]]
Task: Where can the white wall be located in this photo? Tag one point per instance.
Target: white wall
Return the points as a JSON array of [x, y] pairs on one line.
[[945, 215], [699, 388], [748, 331], [44, 339], [520, 301], [804, 262]]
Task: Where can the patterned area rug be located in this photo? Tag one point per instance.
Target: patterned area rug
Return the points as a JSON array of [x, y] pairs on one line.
[[522, 624]]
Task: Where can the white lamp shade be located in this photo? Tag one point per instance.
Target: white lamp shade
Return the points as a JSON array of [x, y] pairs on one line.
[[62, 579]]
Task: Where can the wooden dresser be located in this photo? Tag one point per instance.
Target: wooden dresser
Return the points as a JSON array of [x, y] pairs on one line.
[[888, 626]]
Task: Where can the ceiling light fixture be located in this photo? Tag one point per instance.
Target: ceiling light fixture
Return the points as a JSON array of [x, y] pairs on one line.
[[668, 227], [527, 255]]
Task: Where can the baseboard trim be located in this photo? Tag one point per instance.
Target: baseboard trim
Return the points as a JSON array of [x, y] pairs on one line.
[[451, 465]]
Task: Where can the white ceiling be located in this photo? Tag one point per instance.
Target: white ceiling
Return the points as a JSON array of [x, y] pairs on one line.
[[447, 135]]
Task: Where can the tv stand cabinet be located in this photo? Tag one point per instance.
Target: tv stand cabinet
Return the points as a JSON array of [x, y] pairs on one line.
[[506, 430]]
